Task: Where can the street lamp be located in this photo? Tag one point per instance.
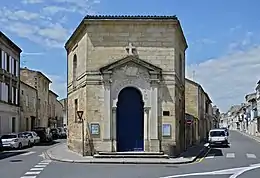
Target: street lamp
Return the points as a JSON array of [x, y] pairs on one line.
[[80, 119]]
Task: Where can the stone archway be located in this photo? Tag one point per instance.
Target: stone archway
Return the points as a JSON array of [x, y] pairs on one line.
[[130, 120]]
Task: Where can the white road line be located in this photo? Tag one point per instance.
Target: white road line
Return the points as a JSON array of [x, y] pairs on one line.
[[40, 165], [250, 155], [32, 173], [44, 163], [230, 155], [36, 169], [28, 177], [28, 153], [210, 157]]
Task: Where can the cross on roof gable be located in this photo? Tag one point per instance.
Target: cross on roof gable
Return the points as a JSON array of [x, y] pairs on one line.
[[133, 59]]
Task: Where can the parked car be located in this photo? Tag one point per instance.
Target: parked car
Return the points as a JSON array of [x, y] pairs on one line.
[[33, 137], [55, 133], [62, 132], [226, 130], [15, 141], [1, 146], [218, 137], [44, 134]]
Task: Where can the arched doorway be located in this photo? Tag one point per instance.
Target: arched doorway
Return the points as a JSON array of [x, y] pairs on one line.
[[130, 120]]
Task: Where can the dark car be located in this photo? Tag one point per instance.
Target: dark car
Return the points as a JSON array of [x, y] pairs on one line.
[[55, 133], [1, 145], [226, 130], [44, 134]]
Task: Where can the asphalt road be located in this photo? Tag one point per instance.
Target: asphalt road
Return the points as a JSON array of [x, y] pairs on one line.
[[15, 163], [219, 163]]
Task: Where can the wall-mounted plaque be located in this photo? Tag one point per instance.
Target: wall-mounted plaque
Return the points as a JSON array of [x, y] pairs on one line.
[[166, 130], [94, 128]]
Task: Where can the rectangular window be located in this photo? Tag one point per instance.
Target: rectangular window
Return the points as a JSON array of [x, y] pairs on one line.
[[76, 109], [16, 96], [27, 100], [13, 95], [27, 124], [166, 113], [3, 59], [9, 93], [13, 124], [7, 62], [16, 68]]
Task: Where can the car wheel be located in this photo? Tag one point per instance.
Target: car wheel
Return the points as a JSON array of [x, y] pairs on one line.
[[20, 146]]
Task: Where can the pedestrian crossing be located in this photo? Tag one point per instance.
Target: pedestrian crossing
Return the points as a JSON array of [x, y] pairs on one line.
[[231, 156]]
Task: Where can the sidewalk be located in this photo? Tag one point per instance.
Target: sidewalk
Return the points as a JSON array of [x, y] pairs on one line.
[[63, 154], [256, 138]]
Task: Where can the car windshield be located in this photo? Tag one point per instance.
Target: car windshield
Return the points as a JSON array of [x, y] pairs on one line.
[[27, 134], [8, 136], [217, 134]]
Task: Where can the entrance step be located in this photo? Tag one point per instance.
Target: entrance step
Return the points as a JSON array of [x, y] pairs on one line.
[[131, 155]]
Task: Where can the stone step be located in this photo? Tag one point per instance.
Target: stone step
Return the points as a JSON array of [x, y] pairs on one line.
[[131, 156], [131, 153]]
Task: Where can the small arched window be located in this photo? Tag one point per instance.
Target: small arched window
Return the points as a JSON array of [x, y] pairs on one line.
[[74, 70]]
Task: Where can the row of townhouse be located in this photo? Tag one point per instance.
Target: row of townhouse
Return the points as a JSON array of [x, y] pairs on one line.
[[246, 116], [26, 100], [201, 115]]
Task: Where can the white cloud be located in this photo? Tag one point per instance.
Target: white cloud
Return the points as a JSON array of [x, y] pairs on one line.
[[48, 27], [229, 78], [32, 1]]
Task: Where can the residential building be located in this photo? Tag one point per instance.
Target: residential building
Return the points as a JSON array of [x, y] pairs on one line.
[[28, 107], [41, 83], [59, 113], [216, 114], [52, 109], [251, 99], [117, 61], [64, 103], [9, 85]]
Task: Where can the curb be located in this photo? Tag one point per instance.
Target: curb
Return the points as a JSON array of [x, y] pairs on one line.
[[50, 156], [250, 136]]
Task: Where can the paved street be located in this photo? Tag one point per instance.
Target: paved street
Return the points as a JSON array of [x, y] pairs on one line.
[[219, 163], [15, 163]]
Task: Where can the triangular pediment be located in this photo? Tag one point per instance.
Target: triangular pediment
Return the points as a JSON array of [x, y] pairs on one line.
[[133, 59]]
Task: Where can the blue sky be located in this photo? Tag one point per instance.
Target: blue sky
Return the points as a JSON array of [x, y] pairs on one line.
[[223, 38]]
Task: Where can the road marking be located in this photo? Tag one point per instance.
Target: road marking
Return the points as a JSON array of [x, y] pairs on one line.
[[36, 169], [43, 163], [46, 161], [250, 155], [32, 173], [209, 157], [230, 155], [40, 165], [28, 153], [201, 159], [28, 177]]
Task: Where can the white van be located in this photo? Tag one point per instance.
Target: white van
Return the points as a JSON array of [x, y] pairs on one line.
[[218, 137]]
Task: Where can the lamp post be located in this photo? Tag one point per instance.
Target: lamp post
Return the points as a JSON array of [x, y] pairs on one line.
[[80, 114]]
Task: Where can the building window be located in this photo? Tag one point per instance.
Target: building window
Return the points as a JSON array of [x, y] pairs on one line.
[[22, 92], [8, 63], [13, 124], [166, 113], [14, 67], [27, 124], [76, 109], [27, 100], [74, 71]]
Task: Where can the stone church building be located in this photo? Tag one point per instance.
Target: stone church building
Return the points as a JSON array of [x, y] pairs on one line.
[[127, 73]]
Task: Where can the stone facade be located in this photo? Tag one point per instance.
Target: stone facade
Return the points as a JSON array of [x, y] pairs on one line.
[[41, 83], [108, 54], [64, 103], [9, 85], [52, 109], [28, 107], [196, 101]]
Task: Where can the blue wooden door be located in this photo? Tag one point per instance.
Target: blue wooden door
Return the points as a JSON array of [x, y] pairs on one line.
[[130, 120]]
